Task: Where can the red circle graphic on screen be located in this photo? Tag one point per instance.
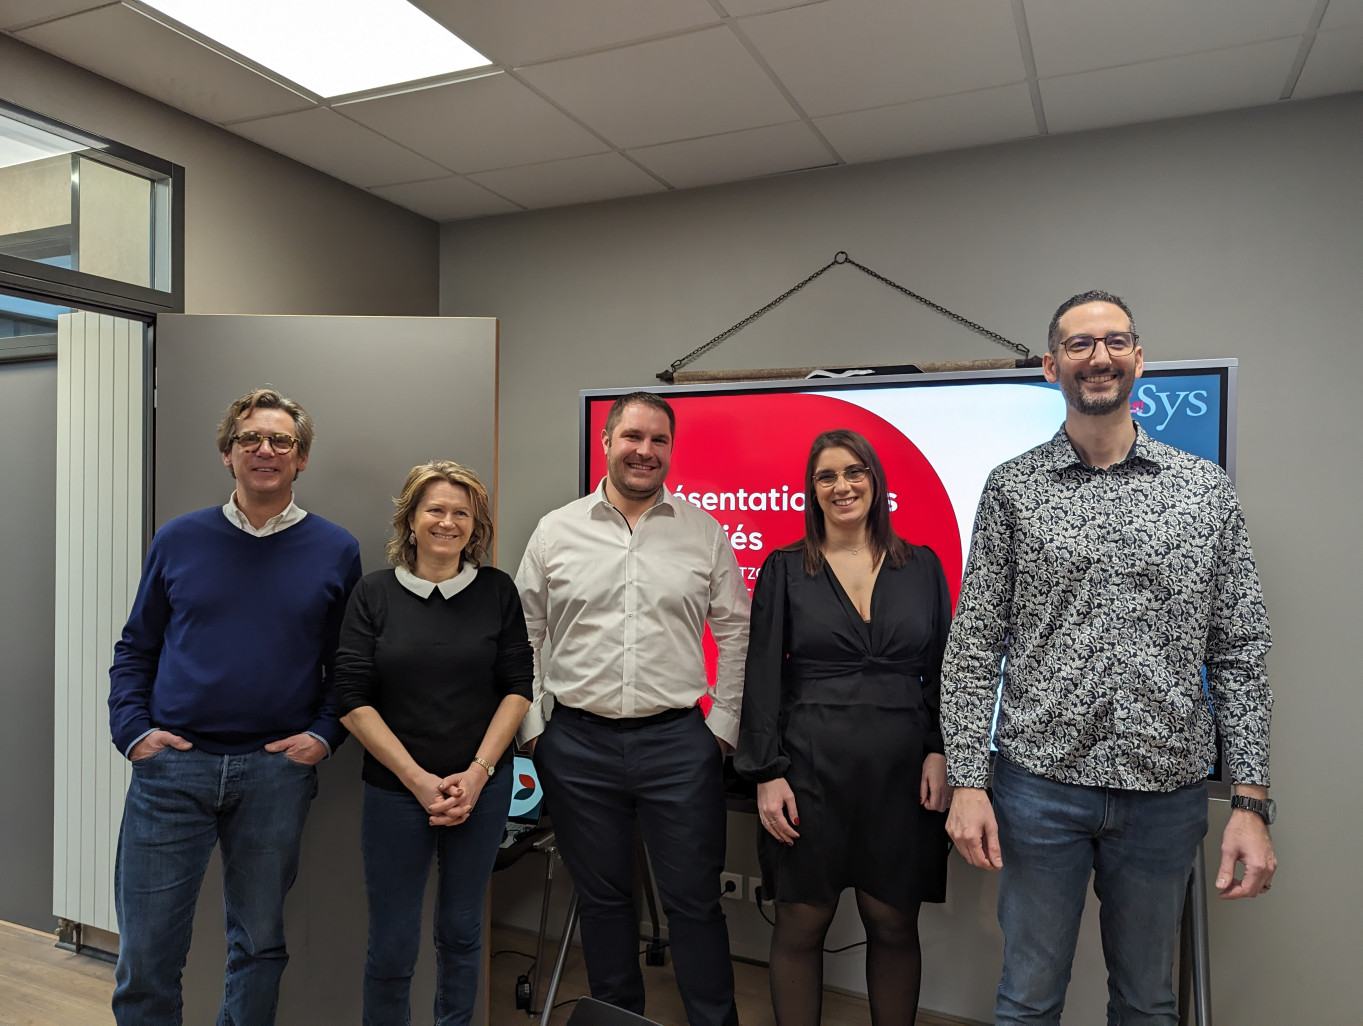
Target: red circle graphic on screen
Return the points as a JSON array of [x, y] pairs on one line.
[[742, 458]]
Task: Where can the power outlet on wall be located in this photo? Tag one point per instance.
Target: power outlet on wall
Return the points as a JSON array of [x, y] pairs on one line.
[[731, 886], [754, 885]]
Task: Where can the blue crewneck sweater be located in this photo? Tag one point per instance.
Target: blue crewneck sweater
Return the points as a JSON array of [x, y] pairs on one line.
[[231, 636]]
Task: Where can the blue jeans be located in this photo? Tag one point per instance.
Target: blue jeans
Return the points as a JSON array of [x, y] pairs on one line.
[[398, 845], [1139, 847], [179, 805]]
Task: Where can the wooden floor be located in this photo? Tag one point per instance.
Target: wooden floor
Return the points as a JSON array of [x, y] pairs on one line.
[[41, 985]]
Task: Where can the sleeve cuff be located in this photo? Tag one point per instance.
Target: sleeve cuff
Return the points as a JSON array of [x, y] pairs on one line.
[[723, 724], [325, 743], [533, 724], [128, 752]]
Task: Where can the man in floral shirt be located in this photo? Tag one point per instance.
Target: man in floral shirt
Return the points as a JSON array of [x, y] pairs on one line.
[[1107, 571]]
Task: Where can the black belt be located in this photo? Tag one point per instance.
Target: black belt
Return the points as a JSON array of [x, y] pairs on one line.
[[624, 722]]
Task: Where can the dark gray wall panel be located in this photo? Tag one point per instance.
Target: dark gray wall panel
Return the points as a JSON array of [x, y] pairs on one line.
[[28, 413]]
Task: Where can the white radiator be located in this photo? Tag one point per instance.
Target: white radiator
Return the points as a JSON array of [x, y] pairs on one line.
[[101, 448]]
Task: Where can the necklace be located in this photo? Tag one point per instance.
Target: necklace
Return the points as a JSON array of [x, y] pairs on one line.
[[856, 551]]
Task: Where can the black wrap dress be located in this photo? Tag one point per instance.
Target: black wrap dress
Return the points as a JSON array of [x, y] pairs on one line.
[[846, 710]]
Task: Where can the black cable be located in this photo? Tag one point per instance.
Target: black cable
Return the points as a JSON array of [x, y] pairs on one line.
[[513, 951], [570, 1001], [770, 922]]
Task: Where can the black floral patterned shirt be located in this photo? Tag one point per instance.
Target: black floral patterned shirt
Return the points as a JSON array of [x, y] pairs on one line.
[[1104, 593]]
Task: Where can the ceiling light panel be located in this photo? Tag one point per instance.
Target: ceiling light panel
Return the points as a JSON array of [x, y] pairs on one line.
[[332, 49]]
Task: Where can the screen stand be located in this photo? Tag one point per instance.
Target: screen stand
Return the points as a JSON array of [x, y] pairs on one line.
[[1194, 964]]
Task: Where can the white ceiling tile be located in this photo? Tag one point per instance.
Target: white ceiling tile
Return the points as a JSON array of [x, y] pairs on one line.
[[1242, 76], [476, 125], [736, 155], [1334, 65], [131, 48], [853, 54], [329, 142], [741, 8], [14, 13], [445, 199], [580, 180], [515, 32], [928, 126], [702, 83], [1341, 13], [1069, 37]]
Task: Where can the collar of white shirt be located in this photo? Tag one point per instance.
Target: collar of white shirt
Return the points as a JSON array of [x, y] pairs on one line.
[[279, 522], [663, 498], [448, 588]]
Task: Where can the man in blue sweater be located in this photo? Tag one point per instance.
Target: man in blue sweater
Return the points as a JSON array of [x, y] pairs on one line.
[[219, 697]]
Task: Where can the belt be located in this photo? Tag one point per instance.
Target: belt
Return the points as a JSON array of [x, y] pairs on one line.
[[624, 722]]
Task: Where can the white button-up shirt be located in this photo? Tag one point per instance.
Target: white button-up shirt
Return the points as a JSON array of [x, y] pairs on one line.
[[289, 516], [616, 617]]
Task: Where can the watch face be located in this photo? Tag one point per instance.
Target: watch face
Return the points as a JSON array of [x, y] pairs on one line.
[[1270, 809]]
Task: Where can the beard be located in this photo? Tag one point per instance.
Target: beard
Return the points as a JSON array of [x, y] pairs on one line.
[[1100, 405], [619, 478]]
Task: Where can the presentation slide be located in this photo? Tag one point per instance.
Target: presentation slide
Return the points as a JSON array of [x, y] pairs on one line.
[[740, 452]]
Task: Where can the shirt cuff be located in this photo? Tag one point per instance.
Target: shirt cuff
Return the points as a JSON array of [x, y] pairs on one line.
[[128, 753], [535, 719], [723, 725], [319, 737]]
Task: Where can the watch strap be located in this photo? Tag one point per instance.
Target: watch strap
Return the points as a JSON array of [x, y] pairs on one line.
[[491, 769]]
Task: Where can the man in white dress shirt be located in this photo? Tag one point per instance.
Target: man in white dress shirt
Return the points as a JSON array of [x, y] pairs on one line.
[[618, 587]]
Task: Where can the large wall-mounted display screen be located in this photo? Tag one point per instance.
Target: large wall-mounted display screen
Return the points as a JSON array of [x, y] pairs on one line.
[[740, 450]]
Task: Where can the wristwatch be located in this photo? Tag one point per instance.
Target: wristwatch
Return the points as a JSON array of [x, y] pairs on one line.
[[1265, 808], [491, 769]]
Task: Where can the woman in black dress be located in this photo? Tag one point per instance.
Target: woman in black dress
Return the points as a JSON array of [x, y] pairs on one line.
[[840, 731]]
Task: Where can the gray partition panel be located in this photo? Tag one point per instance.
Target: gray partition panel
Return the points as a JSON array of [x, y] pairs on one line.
[[28, 419], [385, 393]]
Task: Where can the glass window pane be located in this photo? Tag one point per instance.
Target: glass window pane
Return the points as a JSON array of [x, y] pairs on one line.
[[35, 217], [114, 227]]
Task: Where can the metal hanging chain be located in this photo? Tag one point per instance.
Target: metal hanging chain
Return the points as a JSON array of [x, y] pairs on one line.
[[841, 257]]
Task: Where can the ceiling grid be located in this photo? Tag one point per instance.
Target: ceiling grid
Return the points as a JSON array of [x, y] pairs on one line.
[[605, 98]]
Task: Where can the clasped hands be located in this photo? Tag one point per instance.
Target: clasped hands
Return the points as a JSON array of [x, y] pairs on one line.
[[450, 800]]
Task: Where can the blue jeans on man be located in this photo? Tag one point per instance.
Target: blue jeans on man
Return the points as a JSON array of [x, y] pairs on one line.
[[1138, 846], [399, 844], [181, 804]]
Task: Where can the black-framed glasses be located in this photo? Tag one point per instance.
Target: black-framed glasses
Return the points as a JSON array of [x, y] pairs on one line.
[[279, 441], [1119, 343], [828, 478]]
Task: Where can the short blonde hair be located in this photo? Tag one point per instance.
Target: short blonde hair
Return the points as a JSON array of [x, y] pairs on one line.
[[402, 549], [265, 399]]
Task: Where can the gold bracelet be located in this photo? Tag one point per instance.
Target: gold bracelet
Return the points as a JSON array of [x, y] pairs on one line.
[[491, 769]]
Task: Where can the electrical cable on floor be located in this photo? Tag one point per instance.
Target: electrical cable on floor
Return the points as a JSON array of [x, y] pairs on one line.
[[757, 894]]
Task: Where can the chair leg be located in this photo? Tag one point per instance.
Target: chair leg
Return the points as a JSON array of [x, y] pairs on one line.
[[569, 925]]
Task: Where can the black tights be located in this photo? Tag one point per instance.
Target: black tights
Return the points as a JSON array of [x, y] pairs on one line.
[[894, 964]]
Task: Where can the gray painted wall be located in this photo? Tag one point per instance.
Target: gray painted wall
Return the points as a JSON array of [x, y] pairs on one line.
[[1232, 235], [28, 411]]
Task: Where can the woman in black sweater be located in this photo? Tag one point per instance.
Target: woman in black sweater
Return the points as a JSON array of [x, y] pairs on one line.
[[433, 676]]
